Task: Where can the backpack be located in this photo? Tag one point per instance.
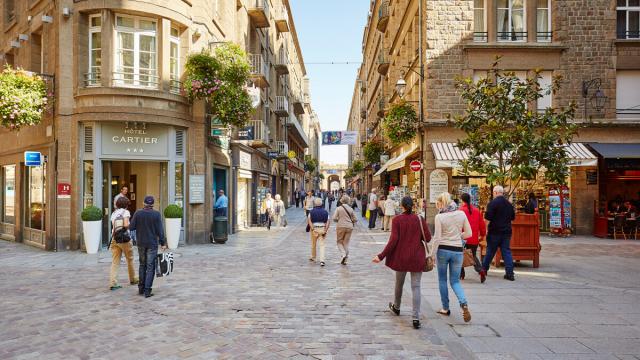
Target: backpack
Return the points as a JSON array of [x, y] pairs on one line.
[[120, 233]]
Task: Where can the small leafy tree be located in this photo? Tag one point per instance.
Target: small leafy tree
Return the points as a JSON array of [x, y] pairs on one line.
[[507, 140], [357, 166], [401, 123], [310, 163], [372, 151]]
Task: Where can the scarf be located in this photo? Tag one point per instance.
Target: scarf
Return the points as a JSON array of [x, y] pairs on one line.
[[450, 208]]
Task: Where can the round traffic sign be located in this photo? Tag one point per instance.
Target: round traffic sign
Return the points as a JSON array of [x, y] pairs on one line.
[[415, 165]]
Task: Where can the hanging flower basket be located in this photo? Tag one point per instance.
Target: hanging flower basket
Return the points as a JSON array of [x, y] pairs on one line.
[[372, 151], [23, 98], [401, 123]]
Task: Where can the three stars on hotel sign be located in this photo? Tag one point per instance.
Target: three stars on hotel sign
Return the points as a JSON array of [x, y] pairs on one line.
[[136, 150]]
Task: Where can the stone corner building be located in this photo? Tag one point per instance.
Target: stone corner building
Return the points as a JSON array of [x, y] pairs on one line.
[[119, 118], [594, 45]]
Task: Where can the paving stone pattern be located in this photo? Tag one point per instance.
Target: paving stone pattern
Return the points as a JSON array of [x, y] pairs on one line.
[[259, 297]]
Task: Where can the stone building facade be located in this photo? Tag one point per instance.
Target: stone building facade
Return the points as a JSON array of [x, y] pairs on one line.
[[597, 41], [120, 119]]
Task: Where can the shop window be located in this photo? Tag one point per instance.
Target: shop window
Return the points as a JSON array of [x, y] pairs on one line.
[[628, 19], [8, 194], [174, 60], [543, 23], [35, 211], [136, 52], [92, 78], [479, 21], [179, 190], [627, 94], [544, 83], [511, 20], [87, 184]]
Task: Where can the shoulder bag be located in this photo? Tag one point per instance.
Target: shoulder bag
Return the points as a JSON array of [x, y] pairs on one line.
[[429, 262], [350, 215]]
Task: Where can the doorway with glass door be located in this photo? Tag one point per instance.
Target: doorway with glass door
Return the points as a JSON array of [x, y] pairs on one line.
[[135, 180]]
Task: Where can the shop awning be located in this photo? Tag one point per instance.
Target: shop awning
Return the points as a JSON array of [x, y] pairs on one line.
[[383, 168], [448, 155], [617, 151], [400, 161]]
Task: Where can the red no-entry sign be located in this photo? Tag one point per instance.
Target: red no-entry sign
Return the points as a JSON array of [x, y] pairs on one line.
[[415, 165]]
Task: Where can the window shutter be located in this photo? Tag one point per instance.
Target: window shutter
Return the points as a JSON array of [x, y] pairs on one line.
[[88, 139], [179, 142]]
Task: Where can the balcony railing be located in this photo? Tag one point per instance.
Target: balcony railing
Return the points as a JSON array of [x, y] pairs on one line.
[[512, 35], [544, 36], [127, 77], [282, 61], [175, 86], [480, 36], [282, 19], [383, 63], [92, 79], [628, 35], [259, 70], [258, 11], [383, 16], [260, 136], [282, 106], [282, 148]]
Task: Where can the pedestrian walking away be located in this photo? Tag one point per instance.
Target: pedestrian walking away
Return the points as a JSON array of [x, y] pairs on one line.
[[478, 228], [363, 205], [373, 208], [121, 243], [318, 222], [267, 209], [389, 212], [279, 211], [451, 226], [296, 196], [149, 234], [331, 199], [345, 219], [500, 214], [308, 203], [405, 253]]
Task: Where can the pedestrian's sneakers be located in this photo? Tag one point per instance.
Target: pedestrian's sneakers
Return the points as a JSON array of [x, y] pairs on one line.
[[344, 260], [510, 277], [115, 287], [416, 324], [321, 263]]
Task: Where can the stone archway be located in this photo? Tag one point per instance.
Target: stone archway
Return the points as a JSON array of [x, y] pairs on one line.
[[332, 180]]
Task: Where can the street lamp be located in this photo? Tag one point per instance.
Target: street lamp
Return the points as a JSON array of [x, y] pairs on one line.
[[597, 100], [401, 86]]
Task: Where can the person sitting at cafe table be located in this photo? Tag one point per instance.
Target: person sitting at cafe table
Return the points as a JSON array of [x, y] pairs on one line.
[[629, 208], [615, 207]]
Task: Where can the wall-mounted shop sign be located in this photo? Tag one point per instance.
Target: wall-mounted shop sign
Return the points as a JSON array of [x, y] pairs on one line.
[[64, 191], [438, 183], [32, 158], [135, 139], [244, 160], [246, 133], [196, 189]]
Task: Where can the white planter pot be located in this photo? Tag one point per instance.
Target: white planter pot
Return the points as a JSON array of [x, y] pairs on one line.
[[172, 229], [92, 234]]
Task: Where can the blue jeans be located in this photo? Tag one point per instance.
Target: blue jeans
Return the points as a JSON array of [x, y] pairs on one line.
[[147, 270], [503, 242], [453, 261], [373, 215]]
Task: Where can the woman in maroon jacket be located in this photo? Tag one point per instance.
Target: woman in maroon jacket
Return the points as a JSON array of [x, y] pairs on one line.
[[405, 252], [479, 230]]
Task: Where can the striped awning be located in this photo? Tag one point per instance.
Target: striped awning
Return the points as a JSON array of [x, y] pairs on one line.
[[448, 155]]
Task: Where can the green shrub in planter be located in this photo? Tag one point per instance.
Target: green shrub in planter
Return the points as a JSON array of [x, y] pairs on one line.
[[91, 213], [173, 212]]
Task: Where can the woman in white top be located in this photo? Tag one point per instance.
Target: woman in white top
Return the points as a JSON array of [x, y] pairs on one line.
[[389, 213], [278, 211], [451, 226], [346, 219], [120, 222]]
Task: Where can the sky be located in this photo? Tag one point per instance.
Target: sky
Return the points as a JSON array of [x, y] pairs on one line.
[[331, 31]]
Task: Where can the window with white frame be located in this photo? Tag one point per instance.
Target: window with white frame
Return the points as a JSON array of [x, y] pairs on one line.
[[628, 19], [544, 86], [136, 52], [511, 20], [627, 94], [174, 60], [92, 77], [479, 21], [543, 21]]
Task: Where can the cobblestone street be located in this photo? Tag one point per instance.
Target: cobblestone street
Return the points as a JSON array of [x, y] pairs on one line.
[[258, 296]]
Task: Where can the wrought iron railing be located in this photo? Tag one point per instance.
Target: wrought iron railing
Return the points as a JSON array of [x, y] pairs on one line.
[[127, 77], [628, 34], [480, 36], [544, 36], [282, 148], [259, 130], [383, 10], [92, 79], [512, 35], [175, 86]]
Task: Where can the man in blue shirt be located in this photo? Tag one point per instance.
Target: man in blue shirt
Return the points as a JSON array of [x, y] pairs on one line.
[[222, 203], [147, 224]]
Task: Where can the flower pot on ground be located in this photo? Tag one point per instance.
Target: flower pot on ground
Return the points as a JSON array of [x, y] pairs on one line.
[[173, 225], [92, 228]]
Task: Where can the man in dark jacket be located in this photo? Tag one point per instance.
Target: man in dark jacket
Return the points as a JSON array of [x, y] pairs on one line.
[[500, 214], [149, 232]]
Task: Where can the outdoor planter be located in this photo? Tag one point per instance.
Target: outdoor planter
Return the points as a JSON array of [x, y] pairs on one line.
[[92, 229], [173, 225], [525, 240]]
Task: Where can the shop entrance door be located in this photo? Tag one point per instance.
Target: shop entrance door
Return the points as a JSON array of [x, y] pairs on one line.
[[141, 178]]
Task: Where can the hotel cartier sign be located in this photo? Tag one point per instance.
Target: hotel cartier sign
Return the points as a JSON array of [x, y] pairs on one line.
[[135, 140]]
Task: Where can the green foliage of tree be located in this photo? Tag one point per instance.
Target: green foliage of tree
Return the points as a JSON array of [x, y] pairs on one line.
[[507, 139], [372, 151], [401, 123], [357, 166], [310, 163], [23, 98], [220, 79]]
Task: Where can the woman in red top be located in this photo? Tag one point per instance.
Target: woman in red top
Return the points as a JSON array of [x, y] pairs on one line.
[[405, 252], [479, 229]]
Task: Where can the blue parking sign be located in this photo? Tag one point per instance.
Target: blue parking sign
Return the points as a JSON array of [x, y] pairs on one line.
[[32, 158]]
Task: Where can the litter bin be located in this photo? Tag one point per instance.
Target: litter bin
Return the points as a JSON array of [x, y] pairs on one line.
[[220, 224]]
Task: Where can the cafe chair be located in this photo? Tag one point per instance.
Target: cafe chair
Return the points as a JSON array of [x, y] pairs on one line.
[[633, 227], [619, 223]]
